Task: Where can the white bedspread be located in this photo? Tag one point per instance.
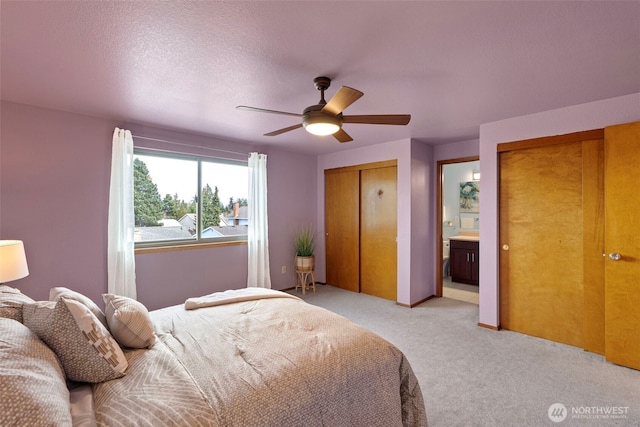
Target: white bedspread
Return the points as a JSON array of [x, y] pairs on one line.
[[270, 362]]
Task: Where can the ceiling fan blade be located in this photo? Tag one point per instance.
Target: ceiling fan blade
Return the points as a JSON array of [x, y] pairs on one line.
[[262, 110], [344, 97], [379, 119], [342, 136], [283, 130]]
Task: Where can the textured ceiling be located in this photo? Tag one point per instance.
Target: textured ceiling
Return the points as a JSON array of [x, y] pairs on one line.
[[186, 65]]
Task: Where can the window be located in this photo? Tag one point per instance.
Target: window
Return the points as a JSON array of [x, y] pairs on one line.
[[181, 199]]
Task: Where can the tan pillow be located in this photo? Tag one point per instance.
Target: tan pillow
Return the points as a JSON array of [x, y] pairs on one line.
[[56, 293], [85, 348], [129, 321], [11, 301], [34, 392]]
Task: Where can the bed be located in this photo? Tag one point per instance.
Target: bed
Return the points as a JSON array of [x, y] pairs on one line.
[[251, 357]]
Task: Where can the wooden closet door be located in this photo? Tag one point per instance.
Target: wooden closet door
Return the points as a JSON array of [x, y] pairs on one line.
[[342, 223], [378, 229], [541, 235], [622, 222]]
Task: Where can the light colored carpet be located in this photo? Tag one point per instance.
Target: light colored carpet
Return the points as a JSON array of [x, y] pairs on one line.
[[472, 376]]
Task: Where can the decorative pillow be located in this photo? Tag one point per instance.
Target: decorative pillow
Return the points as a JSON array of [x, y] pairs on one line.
[[56, 293], [34, 392], [11, 301], [129, 321], [85, 348]]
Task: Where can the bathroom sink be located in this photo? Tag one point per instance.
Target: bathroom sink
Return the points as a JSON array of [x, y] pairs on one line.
[[468, 238]]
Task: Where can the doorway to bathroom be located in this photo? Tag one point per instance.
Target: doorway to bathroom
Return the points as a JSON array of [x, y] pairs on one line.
[[458, 229]]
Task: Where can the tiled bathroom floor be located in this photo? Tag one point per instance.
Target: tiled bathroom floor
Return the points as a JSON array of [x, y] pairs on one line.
[[459, 291]]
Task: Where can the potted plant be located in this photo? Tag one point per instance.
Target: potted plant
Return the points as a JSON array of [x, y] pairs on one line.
[[304, 244]]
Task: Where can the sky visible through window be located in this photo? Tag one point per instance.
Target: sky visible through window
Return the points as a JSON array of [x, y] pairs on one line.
[[174, 176]]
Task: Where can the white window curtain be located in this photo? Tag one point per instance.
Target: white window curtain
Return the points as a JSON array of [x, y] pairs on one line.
[[121, 264], [258, 232]]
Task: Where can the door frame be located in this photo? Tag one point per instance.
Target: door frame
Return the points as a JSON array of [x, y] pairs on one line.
[[440, 178]]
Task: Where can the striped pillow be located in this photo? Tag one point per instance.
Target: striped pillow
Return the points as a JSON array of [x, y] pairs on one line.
[[129, 321], [85, 348]]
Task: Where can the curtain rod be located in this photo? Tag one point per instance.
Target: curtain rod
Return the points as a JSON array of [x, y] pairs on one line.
[[189, 145]]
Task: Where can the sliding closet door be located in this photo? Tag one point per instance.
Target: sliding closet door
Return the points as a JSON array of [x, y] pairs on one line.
[[378, 229], [541, 229], [342, 223], [622, 245], [361, 227], [570, 257]]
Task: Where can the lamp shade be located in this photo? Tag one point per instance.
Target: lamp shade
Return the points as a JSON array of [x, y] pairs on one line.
[[13, 261]]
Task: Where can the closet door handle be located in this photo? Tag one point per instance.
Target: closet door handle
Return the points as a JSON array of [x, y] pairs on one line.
[[473, 257], [467, 256]]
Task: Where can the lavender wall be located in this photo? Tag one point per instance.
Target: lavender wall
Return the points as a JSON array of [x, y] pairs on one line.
[[456, 150], [55, 186], [423, 232], [292, 204], [54, 175], [588, 116], [168, 278]]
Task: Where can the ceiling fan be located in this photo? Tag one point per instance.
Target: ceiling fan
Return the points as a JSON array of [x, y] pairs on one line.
[[325, 118]]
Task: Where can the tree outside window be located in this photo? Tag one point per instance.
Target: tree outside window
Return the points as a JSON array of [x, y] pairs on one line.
[[162, 215]]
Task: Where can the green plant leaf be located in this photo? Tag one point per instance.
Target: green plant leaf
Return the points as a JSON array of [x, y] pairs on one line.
[[304, 241]]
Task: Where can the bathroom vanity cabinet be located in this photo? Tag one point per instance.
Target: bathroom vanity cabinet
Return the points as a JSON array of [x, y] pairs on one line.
[[463, 260]]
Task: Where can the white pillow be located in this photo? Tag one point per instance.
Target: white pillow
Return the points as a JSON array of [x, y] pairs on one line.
[[129, 321], [34, 392], [85, 348], [56, 293]]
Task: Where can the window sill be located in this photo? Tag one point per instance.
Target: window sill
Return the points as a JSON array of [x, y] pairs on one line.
[[171, 248]]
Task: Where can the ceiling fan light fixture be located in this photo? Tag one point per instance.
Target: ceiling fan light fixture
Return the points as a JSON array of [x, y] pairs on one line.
[[322, 128], [319, 123]]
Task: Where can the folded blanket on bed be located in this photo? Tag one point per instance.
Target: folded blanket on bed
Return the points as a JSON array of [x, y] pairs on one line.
[[234, 295]]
